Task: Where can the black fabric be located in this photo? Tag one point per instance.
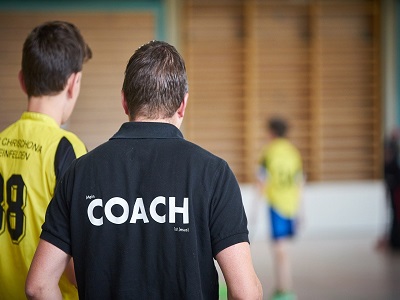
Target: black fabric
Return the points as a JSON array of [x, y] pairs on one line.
[[154, 253], [392, 182], [65, 154]]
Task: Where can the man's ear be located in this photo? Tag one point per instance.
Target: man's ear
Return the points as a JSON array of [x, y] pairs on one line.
[[22, 81], [73, 84], [182, 107], [124, 104]]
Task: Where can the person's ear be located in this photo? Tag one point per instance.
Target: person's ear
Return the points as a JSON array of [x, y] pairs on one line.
[[22, 81], [182, 107], [124, 104], [73, 85]]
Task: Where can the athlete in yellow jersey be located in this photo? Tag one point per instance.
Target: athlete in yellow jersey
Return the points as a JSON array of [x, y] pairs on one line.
[[281, 176], [35, 151]]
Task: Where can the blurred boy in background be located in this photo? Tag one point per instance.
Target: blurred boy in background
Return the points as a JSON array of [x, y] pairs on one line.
[[281, 181]]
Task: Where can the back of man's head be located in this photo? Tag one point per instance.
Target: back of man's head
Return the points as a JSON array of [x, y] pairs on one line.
[[51, 53], [155, 81]]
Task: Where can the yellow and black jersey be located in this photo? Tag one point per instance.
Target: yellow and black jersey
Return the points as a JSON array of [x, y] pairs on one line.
[[34, 153], [284, 176]]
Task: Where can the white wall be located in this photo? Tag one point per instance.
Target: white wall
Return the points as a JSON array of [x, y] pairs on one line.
[[329, 209]]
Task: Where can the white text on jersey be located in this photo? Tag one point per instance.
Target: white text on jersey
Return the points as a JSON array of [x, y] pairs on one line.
[[139, 210]]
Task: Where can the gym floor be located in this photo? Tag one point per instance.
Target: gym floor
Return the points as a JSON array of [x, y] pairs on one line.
[[334, 268]]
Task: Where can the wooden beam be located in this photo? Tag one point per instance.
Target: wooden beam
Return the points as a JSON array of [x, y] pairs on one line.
[[250, 88]]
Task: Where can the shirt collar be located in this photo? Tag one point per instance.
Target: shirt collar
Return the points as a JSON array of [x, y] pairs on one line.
[[147, 130], [35, 116]]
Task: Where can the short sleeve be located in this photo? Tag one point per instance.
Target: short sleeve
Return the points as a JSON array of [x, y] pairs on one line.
[[56, 229], [228, 221]]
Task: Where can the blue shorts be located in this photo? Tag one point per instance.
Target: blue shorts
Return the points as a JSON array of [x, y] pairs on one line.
[[281, 227]]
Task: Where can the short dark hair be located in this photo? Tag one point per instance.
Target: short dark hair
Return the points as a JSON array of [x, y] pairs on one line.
[[51, 53], [155, 81], [278, 126]]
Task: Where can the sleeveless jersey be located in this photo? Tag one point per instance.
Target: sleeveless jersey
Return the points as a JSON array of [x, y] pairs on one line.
[[34, 153], [283, 165]]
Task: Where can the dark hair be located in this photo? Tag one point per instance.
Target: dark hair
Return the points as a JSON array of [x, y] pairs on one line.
[[278, 126], [51, 53], [155, 81]]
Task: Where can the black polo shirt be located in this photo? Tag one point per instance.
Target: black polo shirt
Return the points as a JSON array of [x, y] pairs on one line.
[[144, 214]]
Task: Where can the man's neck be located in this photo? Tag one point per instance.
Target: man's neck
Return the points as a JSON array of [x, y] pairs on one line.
[[48, 105], [173, 121]]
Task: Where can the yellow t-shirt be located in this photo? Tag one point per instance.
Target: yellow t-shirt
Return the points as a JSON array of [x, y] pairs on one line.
[[283, 165], [34, 153]]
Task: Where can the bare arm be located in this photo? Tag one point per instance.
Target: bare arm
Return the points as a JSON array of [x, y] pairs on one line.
[[237, 267], [47, 266], [70, 272]]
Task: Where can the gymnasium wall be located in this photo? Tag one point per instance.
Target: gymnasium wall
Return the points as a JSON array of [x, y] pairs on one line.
[[231, 47], [330, 210]]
